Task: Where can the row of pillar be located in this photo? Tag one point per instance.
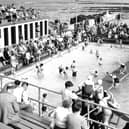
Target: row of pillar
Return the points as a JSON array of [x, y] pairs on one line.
[[11, 34]]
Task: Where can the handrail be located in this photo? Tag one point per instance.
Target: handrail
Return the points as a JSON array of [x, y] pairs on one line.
[[119, 113], [2, 76], [100, 123], [113, 109], [41, 102], [84, 115], [87, 101]]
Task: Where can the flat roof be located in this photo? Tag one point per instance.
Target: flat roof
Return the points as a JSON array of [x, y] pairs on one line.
[[6, 23]]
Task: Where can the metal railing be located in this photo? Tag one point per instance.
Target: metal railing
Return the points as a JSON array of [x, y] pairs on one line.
[[37, 91], [5, 79], [87, 115]]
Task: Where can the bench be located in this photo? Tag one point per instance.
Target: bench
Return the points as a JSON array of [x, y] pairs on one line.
[[44, 55], [5, 67], [19, 126], [8, 71], [23, 124], [4, 126], [29, 124], [43, 122]]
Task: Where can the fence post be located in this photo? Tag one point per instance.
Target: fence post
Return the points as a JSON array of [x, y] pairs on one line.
[[39, 100], [88, 111], [1, 82]]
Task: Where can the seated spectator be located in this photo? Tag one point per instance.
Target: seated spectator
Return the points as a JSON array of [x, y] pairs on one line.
[[20, 93], [25, 103], [8, 107], [60, 115], [7, 55], [27, 57], [75, 120], [2, 60], [14, 62]]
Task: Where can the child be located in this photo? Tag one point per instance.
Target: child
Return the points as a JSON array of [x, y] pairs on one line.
[[97, 54], [44, 101], [123, 69], [115, 81], [73, 68], [74, 72], [39, 68], [83, 47], [100, 61], [14, 63], [61, 69], [91, 51], [95, 73], [73, 65]]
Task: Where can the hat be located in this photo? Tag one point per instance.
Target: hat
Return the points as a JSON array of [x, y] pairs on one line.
[[68, 84]]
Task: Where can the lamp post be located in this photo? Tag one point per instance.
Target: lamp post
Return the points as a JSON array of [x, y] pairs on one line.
[[76, 4], [76, 10]]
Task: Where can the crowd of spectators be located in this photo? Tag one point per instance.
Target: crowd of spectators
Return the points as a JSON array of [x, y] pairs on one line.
[[11, 13], [31, 51], [70, 114], [115, 31]]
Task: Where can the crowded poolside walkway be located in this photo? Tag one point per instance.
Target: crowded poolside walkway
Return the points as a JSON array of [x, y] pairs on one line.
[[85, 63], [84, 54]]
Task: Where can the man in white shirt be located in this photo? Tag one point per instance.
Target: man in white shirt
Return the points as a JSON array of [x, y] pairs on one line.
[[67, 94], [22, 97], [17, 92], [75, 120], [25, 97]]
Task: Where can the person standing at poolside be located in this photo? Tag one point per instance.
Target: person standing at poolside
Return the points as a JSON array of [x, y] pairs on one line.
[[60, 115], [67, 94], [75, 120]]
